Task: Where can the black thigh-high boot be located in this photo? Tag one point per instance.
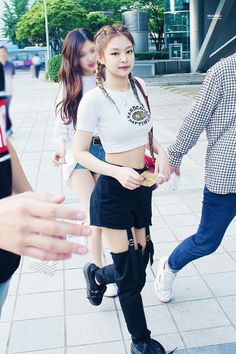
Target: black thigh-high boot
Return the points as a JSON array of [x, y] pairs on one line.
[[129, 296], [96, 280], [140, 259], [105, 275]]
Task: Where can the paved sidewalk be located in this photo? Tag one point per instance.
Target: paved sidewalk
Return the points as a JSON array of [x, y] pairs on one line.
[[176, 79], [50, 315]]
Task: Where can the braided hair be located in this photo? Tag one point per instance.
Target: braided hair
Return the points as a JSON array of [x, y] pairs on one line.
[[99, 77], [101, 39]]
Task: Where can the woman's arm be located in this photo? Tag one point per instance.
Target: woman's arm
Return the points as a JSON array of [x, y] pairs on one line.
[[162, 167], [85, 158], [19, 181], [62, 133], [127, 177]]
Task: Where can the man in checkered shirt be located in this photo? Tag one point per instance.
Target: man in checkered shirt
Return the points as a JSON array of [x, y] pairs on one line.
[[215, 112]]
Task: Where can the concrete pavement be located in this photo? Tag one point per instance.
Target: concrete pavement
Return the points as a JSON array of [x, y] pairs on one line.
[[50, 315]]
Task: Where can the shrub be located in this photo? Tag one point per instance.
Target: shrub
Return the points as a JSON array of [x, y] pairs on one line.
[[151, 55], [54, 64]]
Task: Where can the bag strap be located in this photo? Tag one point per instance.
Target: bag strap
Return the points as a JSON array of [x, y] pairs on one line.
[[150, 134], [140, 87]]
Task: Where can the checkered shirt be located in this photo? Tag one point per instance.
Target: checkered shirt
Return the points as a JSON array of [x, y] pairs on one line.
[[215, 111]]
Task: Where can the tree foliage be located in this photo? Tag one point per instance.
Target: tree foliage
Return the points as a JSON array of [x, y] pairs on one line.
[[115, 6], [155, 10], [63, 16], [13, 12], [94, 21]]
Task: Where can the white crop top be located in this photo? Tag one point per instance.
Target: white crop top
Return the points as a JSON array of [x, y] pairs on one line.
[[118, 131]]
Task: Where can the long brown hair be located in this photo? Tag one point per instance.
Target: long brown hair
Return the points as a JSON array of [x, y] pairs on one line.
[[70, 74]]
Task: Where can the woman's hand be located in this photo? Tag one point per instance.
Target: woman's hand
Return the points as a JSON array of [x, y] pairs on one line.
[[162, 168], [175, 170], [59, 155], [128, 177]]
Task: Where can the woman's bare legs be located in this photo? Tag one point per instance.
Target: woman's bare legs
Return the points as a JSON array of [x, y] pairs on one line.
[[83, 184], [118, 240]]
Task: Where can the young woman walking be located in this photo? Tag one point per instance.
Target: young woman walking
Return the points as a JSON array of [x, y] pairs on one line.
[[120, 204], [77, 77]]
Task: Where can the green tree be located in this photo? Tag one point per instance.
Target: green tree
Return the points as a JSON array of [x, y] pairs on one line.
[[115, 6], [155, 10], [13, 12], [62, 17], [94, 21]]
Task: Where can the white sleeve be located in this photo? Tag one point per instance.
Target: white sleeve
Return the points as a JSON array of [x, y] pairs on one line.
[[87, 113], [61, 130]]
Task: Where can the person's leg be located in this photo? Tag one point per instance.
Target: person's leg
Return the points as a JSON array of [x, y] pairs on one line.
[[3, 293], [130, 260], [128, 282], [112, 206], [217, 213], [83, 185], [37, 71], [8, 119]]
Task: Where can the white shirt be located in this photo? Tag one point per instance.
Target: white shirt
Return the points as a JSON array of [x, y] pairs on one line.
[[36, 60], [66, 132], [121, 130]]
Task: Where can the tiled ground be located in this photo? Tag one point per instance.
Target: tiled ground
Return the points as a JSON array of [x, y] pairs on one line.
[[50, 315]]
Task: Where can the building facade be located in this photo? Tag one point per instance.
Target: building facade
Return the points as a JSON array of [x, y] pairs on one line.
[[212, 32], [203, 31], [177, 28]]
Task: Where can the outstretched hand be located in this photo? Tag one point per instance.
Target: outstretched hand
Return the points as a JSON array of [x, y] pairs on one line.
[[162, 168], [175, 169], [36, 224]]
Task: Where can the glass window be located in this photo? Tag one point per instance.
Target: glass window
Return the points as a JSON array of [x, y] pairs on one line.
[[175, 38], [177, 22], [176, 5]]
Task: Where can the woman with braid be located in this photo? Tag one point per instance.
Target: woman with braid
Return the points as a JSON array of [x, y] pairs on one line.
[[76, 78], [120, 204]]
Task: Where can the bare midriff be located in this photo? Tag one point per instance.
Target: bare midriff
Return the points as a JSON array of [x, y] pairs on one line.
[[133, 158]]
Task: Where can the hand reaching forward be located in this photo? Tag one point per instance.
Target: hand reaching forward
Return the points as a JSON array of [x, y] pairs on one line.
[[162, 168], [31, 225], [175, 169]]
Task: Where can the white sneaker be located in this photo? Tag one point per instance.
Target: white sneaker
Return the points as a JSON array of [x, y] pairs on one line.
[[164, 281], [111, 290]]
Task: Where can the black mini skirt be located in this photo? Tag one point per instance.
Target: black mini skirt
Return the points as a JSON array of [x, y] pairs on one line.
[[116, 207]]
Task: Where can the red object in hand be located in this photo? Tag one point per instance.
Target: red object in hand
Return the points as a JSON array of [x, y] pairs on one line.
[[151, 167], [3, 102], [149, 163]]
